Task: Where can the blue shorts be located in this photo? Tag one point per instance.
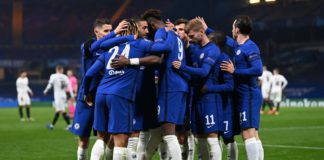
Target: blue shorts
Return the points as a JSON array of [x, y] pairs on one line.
[[172, 107], [207, 115], [187, 120], [113, 114], [248, 106], [83, 119], [145, 114], [230, 118]]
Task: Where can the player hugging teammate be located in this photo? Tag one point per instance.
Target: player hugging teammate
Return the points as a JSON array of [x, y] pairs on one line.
[[201, 93]]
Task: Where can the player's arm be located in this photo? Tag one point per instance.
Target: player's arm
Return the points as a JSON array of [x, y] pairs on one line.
[[29, 90], [285, 82], [49, 85], [69, 86], [121, 27], [227, 86], [203, 71], [254, 61], [115, 41], [93, 70], [231, 42], [160, 46]]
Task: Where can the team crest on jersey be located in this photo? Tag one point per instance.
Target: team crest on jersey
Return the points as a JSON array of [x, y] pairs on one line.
[[202, 55], [238, 52], [76, 126]]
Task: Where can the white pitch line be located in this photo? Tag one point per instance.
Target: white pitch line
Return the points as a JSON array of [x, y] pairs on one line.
[[293, 128], [289, 146]]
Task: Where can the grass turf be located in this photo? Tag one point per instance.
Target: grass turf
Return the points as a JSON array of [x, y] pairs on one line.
[[297, 133]]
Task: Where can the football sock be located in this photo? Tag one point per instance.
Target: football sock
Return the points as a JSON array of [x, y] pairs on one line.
[[215, 149]]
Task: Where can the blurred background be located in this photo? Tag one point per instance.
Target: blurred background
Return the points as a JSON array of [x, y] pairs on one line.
[[36, 35]]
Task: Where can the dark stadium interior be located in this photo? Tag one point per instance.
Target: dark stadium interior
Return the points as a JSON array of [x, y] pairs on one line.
[[290, 34]]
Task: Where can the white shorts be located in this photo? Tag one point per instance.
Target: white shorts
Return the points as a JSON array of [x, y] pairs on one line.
[[276, 97], [23, 100], [60, 104], [265, 93]]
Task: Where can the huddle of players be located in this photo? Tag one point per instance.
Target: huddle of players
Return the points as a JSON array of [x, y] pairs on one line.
[[272, 86], [200, 90]]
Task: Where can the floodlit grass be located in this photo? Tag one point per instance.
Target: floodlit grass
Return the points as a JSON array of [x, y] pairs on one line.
[[297, 133]]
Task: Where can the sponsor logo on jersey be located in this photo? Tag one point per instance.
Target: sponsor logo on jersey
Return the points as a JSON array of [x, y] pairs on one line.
[[113, 72]]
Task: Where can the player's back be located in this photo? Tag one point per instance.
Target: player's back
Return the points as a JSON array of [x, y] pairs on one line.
[[244, 55], [171, 80], [120, 82], [277, 82], [60, 83]]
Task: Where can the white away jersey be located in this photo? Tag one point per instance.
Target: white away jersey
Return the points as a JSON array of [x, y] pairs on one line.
[[266, 79], [22, 86], [59, 82]]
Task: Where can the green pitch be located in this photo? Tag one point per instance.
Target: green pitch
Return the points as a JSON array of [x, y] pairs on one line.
[[297, 133]]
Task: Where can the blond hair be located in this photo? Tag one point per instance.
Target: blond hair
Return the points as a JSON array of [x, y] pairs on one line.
[[194, 25], [132, 28]]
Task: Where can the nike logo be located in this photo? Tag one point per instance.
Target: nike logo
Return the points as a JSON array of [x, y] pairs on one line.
[[210, 126], [226, 132], [97, 54]]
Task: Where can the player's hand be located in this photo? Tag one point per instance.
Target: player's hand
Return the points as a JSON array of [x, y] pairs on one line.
[[203, 89], [201, 19], [45, 93], [88, 100], [122, 26], [227, 66], [31, 93], [176, 64], [169, 25], [120, 62]]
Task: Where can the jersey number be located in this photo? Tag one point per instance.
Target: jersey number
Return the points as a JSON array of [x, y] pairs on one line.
[[114, 52], [180, 47], [243, 116], [211, 122]]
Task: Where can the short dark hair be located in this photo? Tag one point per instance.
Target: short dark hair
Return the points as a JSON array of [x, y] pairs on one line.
[[59, 67], [180, 21], [100, 22], [244, 23], [152, 13], [219, 38]]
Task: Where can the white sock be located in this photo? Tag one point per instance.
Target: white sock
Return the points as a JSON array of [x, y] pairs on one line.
[[232, 151], [251, 148], [82, 153], [261, 151], [202, 149], [215, 149], [163, 151], [142, 142], [120, 153], [97, 150], [153, 143], [173, 146], [108, 153], [131, 148], [191, 147]]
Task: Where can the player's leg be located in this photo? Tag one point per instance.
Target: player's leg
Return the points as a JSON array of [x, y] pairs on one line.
[[132, 145], [82, 126], [172, 112], [232, 149], [142, 143], [120, 123], [191, 146], [27, 106], [261, 151], [153, 142], [250, 121], [183, 141], [55, 118], [20, 107], [100, 125]]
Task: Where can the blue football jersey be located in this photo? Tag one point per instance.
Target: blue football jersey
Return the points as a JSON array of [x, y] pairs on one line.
[[170, 79]]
